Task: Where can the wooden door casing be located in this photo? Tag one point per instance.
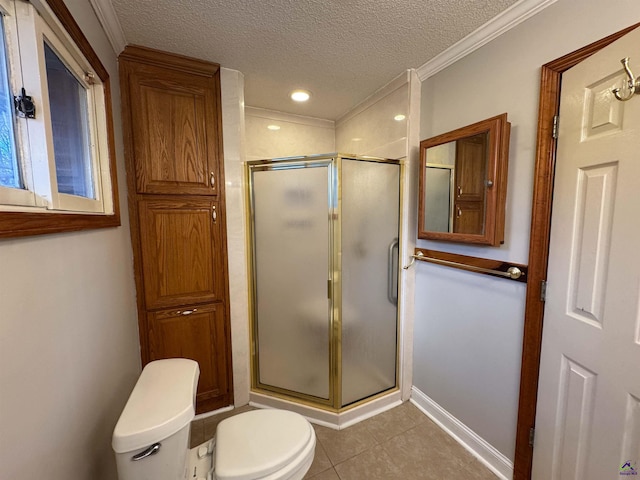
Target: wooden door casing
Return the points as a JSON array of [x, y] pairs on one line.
[[181, 254], [174, 134], [198, 333], [588, 406], [550, 83]]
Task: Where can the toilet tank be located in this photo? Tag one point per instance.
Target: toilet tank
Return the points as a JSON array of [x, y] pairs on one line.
[[151, 438]]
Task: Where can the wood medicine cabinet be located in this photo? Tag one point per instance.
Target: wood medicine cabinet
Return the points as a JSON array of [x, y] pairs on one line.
[[463, 183]]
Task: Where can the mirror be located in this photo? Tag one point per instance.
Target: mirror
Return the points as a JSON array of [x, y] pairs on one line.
[[463, 183]]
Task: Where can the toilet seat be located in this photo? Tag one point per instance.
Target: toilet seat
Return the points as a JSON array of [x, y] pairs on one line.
[[265, 445]]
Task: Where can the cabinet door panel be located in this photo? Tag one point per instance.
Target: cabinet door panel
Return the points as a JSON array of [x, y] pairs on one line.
[[174, 130], [471, 168], [469, 218], [181, 252], [195, 332]]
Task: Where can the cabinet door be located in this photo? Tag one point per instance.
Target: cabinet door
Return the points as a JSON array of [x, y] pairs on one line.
[[182, 252], [195, 332], [469, 218], [471, 168], [470, 185], [175, 131]]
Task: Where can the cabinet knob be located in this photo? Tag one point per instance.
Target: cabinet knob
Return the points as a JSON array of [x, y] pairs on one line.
[[213, 179], [214, 214]]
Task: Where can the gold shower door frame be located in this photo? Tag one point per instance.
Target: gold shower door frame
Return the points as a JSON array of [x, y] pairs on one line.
[[334, 164]]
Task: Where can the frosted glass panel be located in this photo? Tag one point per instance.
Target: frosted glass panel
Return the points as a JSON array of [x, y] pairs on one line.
[[370, 211], [291, 238]]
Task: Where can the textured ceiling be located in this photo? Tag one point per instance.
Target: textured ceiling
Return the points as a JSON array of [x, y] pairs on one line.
[[340, 50]]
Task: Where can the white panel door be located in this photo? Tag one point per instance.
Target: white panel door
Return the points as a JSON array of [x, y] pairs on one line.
[[588, 413]]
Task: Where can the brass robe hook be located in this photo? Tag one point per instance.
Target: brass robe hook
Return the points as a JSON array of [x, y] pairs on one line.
[[633, 83]]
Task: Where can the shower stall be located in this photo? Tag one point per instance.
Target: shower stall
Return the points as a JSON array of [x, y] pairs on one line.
[[324, 269]]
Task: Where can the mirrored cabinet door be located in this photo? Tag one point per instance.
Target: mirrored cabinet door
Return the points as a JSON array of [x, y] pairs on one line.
[[463, 183]]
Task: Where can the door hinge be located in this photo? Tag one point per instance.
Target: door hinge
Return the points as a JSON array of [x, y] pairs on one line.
[[543, 291], [532, 436], [554, 130]]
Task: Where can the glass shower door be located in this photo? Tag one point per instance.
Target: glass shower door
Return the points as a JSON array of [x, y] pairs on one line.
[[369, 237], [291, 238]]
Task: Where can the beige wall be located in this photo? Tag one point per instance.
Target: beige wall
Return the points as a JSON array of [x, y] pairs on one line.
[[233, 131], [297, 136], [468, 359], [370, 128], [69, 353]]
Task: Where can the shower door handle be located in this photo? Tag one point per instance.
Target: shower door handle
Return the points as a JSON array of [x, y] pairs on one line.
[[392, 274]]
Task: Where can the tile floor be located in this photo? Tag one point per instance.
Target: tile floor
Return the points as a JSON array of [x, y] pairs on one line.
[[401, 443]]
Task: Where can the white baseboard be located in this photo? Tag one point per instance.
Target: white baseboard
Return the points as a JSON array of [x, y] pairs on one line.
[[202, 416], [476, 445]]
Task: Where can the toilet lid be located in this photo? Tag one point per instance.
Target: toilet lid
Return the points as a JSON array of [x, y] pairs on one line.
[[258, 443]]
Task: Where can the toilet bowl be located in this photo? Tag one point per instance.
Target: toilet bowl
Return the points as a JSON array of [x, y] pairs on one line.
[[151, 438]]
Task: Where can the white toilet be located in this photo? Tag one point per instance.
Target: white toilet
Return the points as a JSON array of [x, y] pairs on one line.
[[151, 438]]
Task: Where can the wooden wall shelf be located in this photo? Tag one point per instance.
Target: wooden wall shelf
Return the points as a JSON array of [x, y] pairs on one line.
[[485, 266]]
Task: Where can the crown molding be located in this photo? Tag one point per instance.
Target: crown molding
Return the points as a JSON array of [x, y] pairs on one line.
[[110, 23], [505, 21]]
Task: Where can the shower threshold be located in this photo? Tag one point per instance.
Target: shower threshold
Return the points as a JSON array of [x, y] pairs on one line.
[[335, 420]]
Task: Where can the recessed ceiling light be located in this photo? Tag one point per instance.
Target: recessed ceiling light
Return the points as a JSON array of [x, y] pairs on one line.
[[357, 139], [300, 95], [399, 117], [273, 127]]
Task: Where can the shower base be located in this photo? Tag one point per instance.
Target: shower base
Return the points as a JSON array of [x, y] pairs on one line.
[[335, 420]]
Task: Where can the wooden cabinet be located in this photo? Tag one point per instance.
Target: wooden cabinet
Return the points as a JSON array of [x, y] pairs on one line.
[[468, 218], [197, 332], [471, 168], [470, 185], [181, 251], [173, 145]]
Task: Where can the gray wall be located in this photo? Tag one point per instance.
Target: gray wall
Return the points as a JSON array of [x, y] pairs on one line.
[[69, 350], [468, 327]]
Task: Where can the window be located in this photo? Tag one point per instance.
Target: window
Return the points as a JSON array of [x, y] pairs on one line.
[[57, 171], [9, 171], [69, 124]]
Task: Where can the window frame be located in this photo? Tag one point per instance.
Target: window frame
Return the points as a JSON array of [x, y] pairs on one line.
[[21, 197], [62, 214]]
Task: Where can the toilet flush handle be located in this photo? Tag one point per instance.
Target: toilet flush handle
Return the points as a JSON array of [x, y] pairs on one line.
[[152, 450]]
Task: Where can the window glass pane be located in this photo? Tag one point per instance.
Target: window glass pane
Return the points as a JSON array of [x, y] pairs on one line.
[[70, 123], [9, 170]]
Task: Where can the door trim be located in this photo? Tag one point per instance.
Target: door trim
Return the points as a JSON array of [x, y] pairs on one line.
[[549, 104]]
